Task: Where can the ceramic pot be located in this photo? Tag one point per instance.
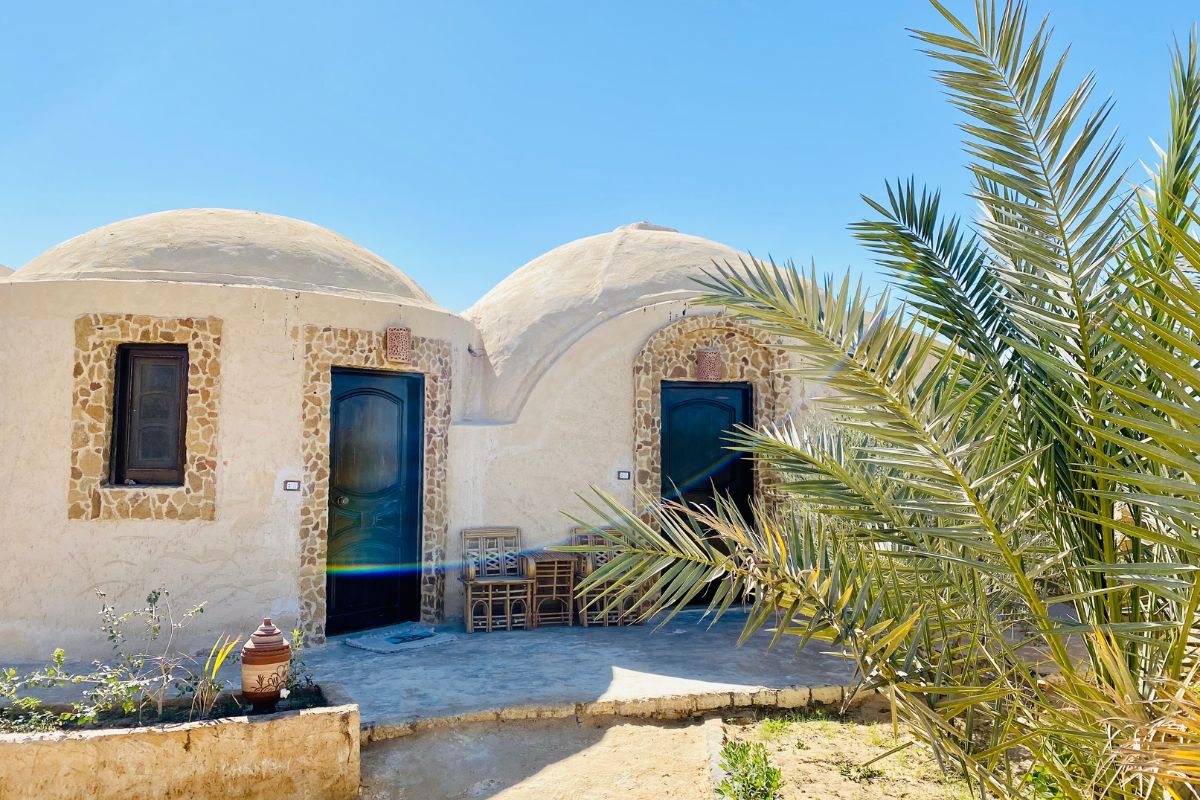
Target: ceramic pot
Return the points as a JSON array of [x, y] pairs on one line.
[[708, 365], [265, 659]]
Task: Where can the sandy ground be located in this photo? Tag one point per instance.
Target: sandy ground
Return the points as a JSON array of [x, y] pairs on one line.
[[822, 756], [597, 759]]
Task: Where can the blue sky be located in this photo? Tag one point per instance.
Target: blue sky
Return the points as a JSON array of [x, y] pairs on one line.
[[458, 140]]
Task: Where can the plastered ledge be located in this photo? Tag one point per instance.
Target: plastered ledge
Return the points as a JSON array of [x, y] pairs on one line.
[[309, 753]]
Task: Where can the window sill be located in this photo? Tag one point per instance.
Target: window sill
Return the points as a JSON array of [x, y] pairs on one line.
[[135, 486]]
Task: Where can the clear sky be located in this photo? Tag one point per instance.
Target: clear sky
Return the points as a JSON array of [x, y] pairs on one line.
[[461, 139]]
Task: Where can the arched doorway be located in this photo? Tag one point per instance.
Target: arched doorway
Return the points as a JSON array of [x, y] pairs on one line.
[[748, 358]]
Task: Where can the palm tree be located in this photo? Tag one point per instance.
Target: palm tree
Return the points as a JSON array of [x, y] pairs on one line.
[[1003, 527]]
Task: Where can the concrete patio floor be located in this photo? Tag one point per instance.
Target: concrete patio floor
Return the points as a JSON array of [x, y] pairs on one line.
[[472, 677]]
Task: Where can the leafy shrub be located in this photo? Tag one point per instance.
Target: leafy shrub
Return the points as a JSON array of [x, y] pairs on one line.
[[141, 675], [145, 674], [299, 675], [749, 774]]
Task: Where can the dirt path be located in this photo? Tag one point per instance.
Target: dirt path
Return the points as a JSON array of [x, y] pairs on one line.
[[605, 759]]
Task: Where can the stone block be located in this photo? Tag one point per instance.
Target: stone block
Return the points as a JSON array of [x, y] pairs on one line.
[[794, 697], [711, 701], [827, 695], [637, 707], [600, 708]]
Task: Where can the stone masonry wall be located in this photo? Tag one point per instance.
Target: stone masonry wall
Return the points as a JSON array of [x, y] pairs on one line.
[[747, 355], [89, 494], [328, 347]]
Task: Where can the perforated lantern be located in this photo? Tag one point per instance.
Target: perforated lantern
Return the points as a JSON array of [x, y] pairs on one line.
[[708, 364], [265, 660]]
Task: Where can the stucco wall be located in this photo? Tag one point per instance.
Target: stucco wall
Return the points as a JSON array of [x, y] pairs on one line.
[[575, 431], [244, 564]]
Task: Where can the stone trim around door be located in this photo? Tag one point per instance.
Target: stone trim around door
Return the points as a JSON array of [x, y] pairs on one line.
[[747, 356], [329, 347], [89, 494]]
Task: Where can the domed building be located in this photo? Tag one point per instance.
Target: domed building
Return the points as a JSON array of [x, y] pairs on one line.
[[256, 412]]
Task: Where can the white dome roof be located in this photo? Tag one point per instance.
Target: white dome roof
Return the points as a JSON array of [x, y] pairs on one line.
[[534, 315], [227, 247]]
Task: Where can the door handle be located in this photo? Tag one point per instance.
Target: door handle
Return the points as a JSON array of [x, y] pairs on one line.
[[341, 500]]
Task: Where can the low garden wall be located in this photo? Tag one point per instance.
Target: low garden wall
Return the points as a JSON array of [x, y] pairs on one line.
[[312, 753]]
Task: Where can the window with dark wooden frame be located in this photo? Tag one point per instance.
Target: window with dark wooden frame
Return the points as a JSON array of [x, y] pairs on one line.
[[150, 415]]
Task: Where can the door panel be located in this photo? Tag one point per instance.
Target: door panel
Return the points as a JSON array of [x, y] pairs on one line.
[[696, 462], [371, 463], [374, 554]]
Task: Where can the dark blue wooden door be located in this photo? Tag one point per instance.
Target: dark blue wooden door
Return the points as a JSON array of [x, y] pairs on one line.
[[374, 554], [696, 461]]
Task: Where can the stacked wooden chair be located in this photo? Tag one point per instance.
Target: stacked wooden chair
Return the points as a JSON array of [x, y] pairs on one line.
[[497, 580], [593, 609], [553, 587]]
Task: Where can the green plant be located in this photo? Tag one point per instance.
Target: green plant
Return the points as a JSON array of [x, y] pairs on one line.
[[774, 727], [880, 735], [299, 675], [749, 774], [859, 773], [137, 678], [207, 687], [1013, 476], [151, 668], [1042, 786], [23, 714]]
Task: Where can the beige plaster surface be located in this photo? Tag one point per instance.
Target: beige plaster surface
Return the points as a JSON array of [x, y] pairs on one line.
[[555, 420], [227, 247], [576, 430], [534, 316], [245, 563], [299, 754]]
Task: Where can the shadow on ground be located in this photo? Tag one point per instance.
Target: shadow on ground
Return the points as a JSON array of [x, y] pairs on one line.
[[585, 759], [559, 666], [593, 759]]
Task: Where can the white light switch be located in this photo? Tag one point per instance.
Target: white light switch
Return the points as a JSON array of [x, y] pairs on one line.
[[624, 474], [291, 486]]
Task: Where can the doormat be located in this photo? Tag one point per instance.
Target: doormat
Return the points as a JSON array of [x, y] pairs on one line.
[[399, 638]]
